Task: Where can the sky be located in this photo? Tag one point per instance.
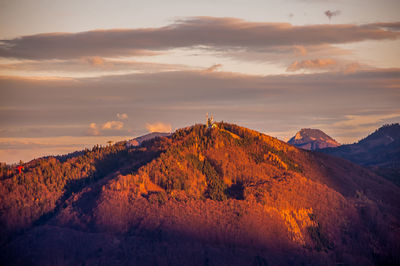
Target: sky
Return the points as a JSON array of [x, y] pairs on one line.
[[78, 73]]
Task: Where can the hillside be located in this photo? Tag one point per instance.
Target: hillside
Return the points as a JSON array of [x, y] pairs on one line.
[[379, 151], [312, 139], [221, 196]]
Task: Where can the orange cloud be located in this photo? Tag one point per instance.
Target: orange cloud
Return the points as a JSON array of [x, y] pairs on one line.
[[311, 64], [116, 125], [122, 116], [158, 127], [93, 130]]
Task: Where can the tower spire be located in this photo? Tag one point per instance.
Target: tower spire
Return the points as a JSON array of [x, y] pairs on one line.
[[210, 121]]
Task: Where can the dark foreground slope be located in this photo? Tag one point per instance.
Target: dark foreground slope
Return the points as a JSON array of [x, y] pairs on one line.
[[221, 196]]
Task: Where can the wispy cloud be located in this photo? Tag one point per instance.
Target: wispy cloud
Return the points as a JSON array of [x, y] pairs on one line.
[[84, 66], [356, 121], [312, 64], [214, 67]]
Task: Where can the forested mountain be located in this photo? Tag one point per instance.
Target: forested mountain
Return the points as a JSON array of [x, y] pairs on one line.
[[225, 195], [312, 139]]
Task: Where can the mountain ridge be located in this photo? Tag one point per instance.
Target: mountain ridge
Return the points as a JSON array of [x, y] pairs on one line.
[[366, 151], [380, 151]]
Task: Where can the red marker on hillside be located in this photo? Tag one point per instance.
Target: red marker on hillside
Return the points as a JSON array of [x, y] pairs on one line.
[[20, 168]]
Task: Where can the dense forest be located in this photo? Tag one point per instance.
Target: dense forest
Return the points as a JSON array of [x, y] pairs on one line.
[[203, 196]]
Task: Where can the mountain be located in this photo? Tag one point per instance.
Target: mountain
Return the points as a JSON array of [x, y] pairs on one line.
[[312, 139], [380, 151], [138, 141], [381, 148], [225, 195]]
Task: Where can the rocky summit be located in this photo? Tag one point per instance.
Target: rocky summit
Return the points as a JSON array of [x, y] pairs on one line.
[[312, 139]]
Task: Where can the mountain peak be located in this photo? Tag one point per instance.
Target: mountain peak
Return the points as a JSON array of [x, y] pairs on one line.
[[312, 139]]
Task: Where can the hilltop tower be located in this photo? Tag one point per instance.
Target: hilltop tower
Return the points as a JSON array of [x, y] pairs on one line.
[[210, 121]]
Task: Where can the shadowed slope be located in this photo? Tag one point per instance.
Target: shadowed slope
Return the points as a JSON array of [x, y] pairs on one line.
[[380, 151], [381, 148]]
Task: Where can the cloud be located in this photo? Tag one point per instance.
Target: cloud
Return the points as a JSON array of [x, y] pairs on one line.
[[208, 32], [394, 26], [213, 68], [311, 64], [282, 56], [158, 127], [115, 125], [94, 60], [352, 67], [299, 50], [327, 64], [96, 130], [93, 130], [331, 14], [122, 116], [88, 66]]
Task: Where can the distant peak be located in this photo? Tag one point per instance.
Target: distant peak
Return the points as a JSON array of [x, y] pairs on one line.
[[138, 140], [312, 139]]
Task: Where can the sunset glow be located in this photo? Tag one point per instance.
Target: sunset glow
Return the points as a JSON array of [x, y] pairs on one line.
[[207, 132]]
